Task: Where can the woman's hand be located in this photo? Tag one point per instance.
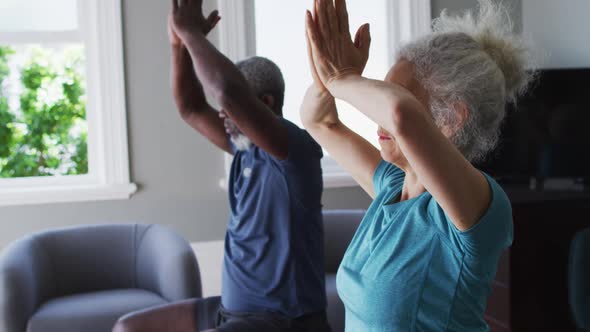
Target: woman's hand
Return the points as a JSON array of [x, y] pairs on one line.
[[187, 17], [334, 55], [319, 106]]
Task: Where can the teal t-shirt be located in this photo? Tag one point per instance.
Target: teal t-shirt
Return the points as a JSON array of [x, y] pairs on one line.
[[408, 268]]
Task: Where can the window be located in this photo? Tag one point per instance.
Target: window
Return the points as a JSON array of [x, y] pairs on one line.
[[63, 135], [275, 29]]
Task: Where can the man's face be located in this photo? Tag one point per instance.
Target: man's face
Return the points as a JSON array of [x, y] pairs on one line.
[[241, 141]]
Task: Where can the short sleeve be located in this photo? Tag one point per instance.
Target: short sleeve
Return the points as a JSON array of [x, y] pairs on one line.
[[492, 234], [386, 175], [301, 145]]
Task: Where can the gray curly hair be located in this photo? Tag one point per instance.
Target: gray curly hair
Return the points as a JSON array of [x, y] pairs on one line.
[[477, 60], [264, 77]]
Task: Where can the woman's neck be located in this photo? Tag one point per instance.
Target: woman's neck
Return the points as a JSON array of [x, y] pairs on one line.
[[412, 187]]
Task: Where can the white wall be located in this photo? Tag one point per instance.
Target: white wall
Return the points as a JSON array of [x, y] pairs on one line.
[[559, 30], [458, 6]]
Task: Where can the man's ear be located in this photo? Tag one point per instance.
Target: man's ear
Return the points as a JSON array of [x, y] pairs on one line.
[[268, 100], [461, 116]]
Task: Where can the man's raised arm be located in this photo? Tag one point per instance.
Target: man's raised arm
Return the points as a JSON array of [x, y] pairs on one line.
[[188, 92], [226, 83]]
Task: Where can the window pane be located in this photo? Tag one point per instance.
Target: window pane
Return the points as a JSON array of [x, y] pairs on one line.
[[281, 38], [42, 111], [38, 15]]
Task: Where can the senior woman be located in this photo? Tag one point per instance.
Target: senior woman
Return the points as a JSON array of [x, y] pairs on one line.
[[427, 250]]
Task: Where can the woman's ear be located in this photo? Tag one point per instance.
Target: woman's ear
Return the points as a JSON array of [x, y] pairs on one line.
[[462, 112], [460, 119], [268, 100]]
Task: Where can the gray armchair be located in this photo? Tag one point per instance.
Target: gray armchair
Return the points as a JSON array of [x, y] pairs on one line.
[[84, 279], [339, 228]]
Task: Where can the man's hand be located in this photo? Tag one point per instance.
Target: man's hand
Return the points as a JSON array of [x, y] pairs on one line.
[[187, 17], [333, 52], [187, 89]]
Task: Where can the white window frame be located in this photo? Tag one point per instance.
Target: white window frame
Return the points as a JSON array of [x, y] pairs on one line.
[[100, 29], [410, 19]]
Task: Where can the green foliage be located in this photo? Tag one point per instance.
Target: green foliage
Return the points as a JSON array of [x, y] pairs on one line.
[[6, 118], [47, 135]]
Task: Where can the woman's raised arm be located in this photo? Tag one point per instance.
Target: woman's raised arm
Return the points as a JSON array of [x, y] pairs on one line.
[[320, 117], [458, 187]]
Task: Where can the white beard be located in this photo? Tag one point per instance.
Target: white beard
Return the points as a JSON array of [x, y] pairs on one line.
[[241, 142]]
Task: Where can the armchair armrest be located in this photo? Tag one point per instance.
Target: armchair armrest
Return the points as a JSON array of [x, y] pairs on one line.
[[26, 281], [166, 264]]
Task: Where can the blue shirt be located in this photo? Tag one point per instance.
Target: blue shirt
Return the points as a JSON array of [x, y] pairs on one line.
[[274, 247], [408, 268]]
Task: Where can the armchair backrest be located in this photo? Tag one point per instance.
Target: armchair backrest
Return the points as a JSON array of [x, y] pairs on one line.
[[87, 259]]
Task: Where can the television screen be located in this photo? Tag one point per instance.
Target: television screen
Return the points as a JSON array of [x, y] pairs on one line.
[[547, 133]]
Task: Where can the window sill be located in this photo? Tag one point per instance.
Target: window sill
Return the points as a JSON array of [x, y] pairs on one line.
[[331, 181], [65, 194], [334, 176], [339, 180]]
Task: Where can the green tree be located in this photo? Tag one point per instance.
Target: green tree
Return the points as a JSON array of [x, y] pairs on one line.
[[47, 134], [6, 117]]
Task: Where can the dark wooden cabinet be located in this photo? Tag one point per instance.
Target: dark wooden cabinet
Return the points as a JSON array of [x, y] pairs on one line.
[[530, 292]]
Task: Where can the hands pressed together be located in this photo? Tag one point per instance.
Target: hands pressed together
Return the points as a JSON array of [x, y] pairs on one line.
[[333, 56], [332, 52], [187, 17]]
